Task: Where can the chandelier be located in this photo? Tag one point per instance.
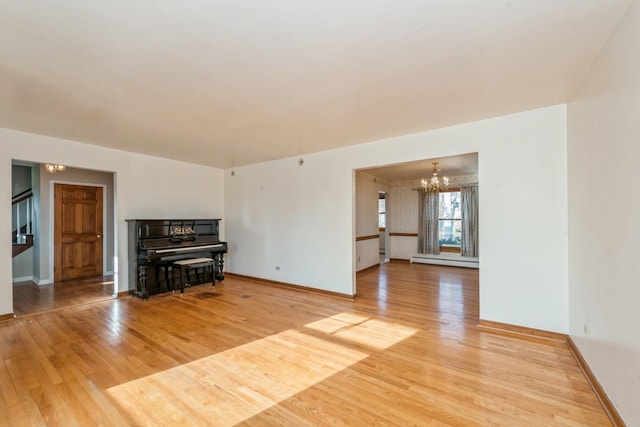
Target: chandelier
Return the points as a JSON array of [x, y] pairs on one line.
[[51, 168], [434, 184]]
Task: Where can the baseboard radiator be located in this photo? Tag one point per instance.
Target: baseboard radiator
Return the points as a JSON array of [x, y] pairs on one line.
[[446, 258]]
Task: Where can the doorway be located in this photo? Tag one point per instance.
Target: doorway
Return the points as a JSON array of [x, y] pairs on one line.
[[78, 232], [72, 261], [396, 187], [382, 227]]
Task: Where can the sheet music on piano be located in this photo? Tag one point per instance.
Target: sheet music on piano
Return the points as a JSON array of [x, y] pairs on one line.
[[154, 244]]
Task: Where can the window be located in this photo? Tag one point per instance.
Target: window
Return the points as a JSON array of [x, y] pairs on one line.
[[450, 219], [382, 217]]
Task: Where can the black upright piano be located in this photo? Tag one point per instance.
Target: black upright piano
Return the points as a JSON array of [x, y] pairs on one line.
[[154, 244]]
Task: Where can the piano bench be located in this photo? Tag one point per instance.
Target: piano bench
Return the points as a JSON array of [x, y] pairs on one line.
[[186, 265]]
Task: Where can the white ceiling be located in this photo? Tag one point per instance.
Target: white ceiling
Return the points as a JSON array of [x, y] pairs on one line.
[[462, 165], [233, 82]]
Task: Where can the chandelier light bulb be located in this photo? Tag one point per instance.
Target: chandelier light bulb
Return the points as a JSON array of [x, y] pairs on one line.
[[53, 168], [434, 183]]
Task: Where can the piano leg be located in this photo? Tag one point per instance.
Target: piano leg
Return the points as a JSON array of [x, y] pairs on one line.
[[218, 275], [166, 278], [142, 282]]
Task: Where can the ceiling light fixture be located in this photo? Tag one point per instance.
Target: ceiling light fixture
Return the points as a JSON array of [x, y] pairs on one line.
[[434, 183], [51, 168]]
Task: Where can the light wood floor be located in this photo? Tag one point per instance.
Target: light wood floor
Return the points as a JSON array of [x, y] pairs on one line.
[[406, 352], [29, 298]]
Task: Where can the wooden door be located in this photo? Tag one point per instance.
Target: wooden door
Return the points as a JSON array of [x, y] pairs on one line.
[[77, 232]]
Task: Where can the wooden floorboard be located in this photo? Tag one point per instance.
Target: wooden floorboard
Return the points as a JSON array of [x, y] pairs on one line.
[[30, 298], [407, 351]]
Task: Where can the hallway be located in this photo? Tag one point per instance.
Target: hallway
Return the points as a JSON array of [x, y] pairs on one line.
[[29, 298]]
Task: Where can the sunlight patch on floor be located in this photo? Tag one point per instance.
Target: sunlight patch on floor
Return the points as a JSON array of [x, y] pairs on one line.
[[234, 385], [363, 330]]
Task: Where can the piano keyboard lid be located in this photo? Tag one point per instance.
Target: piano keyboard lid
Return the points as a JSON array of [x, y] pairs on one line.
[[166, 242]]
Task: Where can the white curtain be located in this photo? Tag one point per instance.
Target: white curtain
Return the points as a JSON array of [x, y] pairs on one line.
[[428, 222], [469, 243]]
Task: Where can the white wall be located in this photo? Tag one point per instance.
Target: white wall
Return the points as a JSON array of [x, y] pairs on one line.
[[404, 209], [293, 223], [367, 253], [403, 247], [20, 179], [301, 218], [403, 213], [146, 186], [604, 230], [22, 266]]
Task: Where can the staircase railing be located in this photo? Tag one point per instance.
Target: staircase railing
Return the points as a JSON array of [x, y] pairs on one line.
[[22, 216]]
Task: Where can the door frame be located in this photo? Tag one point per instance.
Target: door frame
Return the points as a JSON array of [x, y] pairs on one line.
[[52, 210], [387, 251]]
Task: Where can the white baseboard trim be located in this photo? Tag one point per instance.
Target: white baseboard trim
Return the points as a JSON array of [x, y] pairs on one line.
[[44, 281], [446, 258]]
